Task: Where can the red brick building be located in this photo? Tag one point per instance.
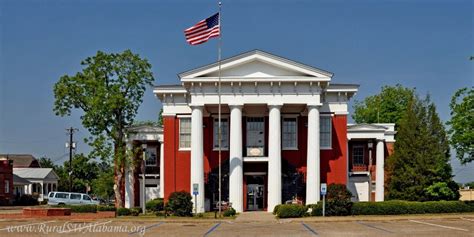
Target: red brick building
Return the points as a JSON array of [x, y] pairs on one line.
[[6, 181]]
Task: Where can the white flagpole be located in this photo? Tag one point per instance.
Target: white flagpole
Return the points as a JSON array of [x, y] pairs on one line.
[[219, 95]]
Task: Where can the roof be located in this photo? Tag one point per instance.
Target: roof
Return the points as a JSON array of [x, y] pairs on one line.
[[145, 128], [35, 173], [256, 52], [17, 180], [22, 160]]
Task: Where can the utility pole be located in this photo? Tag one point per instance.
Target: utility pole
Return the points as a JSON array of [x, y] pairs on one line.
[[71, 146]]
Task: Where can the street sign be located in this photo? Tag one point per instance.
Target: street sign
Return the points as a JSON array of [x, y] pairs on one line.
[[195, 189], [324, 189]]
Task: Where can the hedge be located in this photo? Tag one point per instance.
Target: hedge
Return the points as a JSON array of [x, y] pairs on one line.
[[106, 208], [82, 208], [155, 205], [406, 207], [179, 204], [291, 210], [123, 211]]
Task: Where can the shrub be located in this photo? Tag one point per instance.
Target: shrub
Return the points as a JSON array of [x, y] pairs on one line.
[[275, 209], [155, 205], [123, 211], [291, 210], [82, 208], [105, 208], [229, 212], [179, 204], [316, 209], [338, 202], [135, 211], [405, 207], [338, 192], [26, 200]]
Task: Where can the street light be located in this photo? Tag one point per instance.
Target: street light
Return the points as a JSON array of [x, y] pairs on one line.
[[144, 146]]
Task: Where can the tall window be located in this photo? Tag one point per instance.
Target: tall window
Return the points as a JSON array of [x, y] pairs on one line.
[[289, 133], [358, 155], [325, 127], [7, 186], [185, 133], [224, 131], [151, 158]]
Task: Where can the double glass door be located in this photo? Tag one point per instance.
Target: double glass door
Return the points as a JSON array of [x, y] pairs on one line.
[[255, 193]]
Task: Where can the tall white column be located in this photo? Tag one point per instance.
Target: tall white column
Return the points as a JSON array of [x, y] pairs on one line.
[[197, 157], [162, 170], [379, 172], [313, 172], [235, 153], [274, 157]]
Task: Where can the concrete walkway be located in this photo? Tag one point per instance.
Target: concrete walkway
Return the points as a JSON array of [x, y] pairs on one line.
[[255, 216]]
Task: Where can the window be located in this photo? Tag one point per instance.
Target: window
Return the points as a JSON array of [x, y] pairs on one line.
[[7, 186], [225, 133], [62, 195], [151, 158], [76, 196], [86, 197], [185, 133], [51, 195], [325, 127], [289, 133], [358, 155]]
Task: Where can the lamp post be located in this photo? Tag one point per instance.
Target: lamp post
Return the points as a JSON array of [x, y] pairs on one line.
[[144, 146]]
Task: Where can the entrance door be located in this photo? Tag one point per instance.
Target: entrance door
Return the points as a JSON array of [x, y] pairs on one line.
[[255, 136], [255, 193]]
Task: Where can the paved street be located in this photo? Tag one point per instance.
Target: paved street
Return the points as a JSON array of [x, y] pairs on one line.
[[248, 224]]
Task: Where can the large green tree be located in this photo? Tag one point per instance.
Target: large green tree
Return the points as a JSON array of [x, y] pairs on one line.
[[386, 107], [108, 91], [419, 167], [461, 129]]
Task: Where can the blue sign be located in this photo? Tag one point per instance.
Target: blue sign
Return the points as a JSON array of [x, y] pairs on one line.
[[195, 189], [324, 189]]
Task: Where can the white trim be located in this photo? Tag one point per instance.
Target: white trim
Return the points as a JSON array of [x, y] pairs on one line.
[[255, 159], [183, 116]]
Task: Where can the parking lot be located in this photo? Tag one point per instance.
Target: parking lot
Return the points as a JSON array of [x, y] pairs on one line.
[[449, 226]]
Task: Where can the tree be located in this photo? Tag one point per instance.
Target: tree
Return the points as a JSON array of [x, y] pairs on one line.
[[103, 185], [45, 162], [386, 107], [461, 129], [108, 90], [419, 167]]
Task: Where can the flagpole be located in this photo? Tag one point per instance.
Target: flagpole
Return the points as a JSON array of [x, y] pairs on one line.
[[219, 95]]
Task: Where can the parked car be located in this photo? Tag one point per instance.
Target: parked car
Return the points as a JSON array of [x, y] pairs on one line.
[[66, 198]]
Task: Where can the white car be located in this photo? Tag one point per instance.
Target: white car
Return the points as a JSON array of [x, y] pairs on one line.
[[66, 198]]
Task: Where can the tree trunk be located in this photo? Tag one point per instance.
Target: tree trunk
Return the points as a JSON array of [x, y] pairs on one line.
[[119, 168]]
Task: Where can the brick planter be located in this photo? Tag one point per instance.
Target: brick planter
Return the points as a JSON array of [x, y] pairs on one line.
[[39, 212]]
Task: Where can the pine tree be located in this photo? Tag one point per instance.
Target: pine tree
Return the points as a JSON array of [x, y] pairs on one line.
[[419, 168]]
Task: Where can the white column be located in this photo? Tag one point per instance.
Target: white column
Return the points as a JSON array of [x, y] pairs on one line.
[[379, 172], [313, 173], [197, 157], [162, 170], [129, 186], [274, 157], [235, 154]]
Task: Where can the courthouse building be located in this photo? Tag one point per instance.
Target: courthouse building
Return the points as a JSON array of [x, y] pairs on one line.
[[284, 132]]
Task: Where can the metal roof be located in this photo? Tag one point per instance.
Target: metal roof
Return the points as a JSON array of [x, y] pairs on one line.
[[34, 173]]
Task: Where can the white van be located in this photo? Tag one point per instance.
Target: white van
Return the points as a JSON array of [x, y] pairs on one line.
[[65, 198]]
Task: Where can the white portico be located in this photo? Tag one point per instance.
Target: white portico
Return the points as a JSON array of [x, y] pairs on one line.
[[264, 89]]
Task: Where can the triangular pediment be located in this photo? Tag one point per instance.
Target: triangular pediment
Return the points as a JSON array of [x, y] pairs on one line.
[[256, 64], [365, 127]]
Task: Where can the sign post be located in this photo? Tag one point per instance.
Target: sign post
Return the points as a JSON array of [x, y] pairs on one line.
[[323, 193], [195, 193]]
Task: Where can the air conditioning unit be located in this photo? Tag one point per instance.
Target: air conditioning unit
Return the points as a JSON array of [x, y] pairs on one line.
[[254, 151]]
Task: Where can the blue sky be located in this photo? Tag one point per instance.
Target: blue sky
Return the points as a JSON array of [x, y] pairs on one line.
[[422, 44]]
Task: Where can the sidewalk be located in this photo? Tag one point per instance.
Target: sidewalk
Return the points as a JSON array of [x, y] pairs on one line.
[[255, 216]]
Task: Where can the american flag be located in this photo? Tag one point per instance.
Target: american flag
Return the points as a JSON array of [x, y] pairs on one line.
[[203, 30]]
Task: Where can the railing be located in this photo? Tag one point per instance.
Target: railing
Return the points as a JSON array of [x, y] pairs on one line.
[[359, 168]]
